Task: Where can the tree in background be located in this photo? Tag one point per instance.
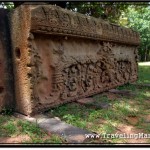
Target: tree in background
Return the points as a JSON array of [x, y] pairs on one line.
[[106, 10], [139, 20], [7, 5]]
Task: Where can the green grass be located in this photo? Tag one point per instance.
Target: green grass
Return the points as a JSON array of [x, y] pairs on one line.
[[13, 127], [144, 72]]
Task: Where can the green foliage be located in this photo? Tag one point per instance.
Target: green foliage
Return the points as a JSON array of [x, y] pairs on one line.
[[139, 20], [12, 127], [111, 11], [29, 128], [106, 10], [7, 5], [144, 73]]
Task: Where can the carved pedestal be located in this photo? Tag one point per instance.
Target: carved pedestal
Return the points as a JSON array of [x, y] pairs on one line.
[[61, 56]]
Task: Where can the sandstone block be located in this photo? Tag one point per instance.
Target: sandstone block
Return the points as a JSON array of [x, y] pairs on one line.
[[61, 56]]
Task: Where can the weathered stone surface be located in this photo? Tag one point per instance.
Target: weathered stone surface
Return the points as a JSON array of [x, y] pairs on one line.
[[71, 133], [6, 76], [61, 56]]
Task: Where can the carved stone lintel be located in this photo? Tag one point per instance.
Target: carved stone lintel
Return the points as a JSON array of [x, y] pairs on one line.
[[55, 20], [65, 56]]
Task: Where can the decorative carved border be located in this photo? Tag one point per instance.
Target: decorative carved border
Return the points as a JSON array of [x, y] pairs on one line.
[[55, 20]]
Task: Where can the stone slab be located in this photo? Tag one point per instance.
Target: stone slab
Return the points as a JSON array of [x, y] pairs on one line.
[[71, 133], [59, 58]]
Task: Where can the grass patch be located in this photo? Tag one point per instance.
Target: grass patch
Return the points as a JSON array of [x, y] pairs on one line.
[[11, 128], [144, 72], [16, 127]]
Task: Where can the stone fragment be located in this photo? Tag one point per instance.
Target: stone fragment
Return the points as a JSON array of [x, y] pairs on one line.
[[60, 56]]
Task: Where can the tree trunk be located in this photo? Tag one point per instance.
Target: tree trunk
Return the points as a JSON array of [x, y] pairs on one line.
[[145, 54]]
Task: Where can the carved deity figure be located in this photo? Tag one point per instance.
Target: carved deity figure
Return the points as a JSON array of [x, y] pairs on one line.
[[81, 80], [73, 81], [89, 77], [98, 74]]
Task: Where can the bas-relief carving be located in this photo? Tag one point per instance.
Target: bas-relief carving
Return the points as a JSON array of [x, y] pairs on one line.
[[70, 77], [72, 56]]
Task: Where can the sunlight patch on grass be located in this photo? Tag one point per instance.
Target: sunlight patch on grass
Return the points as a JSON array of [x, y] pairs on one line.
[[126, 109], [108, 128], [75, 120], [147, 94], [144, 72]]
